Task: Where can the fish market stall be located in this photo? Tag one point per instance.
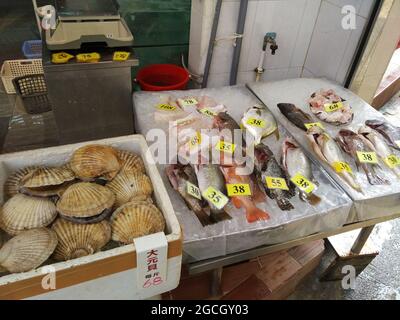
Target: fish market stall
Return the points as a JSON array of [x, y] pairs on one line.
[[283, 215], [366, 164]]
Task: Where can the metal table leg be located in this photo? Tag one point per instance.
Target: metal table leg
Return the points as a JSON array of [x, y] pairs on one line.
[[361, 239], [216, 282]]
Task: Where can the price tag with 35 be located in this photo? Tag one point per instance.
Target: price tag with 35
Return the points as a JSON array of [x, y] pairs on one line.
[[225, 147], [193, 190], [392, 161], [238, 190], [303, 183], [342, 167], [276, 183], [254, 122], [367, 157], [166, 107], [218, 199], [332, 107]]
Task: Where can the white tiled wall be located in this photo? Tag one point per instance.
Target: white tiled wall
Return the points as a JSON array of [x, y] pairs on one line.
[[310, 38]]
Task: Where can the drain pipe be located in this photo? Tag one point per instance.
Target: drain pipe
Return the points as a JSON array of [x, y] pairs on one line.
[[211, 43], [238, 43]]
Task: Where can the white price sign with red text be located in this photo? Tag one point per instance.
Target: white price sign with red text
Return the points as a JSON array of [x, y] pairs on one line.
[[152, 258]]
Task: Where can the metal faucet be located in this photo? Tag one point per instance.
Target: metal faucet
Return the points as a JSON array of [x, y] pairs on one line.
[[270, 38]]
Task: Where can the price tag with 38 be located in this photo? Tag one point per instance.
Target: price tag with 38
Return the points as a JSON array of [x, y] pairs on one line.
[[342, 167], [367, 157], [216, 197], [276, 183], [225, 147], [303, 183], [238, 190], [256, 122]]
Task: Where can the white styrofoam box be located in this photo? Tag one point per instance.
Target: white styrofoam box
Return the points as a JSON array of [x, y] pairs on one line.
[[332, 47], [107, 274]]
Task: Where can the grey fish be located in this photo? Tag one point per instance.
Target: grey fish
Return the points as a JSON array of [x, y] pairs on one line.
[[210, 175], [179, 176], [352, 142], [388, 131], [296, 116], [267, 166]]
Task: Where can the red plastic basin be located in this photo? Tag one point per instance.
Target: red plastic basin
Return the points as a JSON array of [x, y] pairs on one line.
[[160, 77]]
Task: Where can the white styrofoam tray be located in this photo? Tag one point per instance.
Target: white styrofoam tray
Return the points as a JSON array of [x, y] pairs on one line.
[[115, 281]]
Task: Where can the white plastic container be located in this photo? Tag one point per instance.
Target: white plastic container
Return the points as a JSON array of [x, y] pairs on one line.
[[110, 274]]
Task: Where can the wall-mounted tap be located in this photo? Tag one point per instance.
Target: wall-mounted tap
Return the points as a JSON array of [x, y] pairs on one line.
[[269, 39]]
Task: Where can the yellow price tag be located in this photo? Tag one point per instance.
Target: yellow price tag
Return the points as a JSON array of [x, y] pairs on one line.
[[88, 57], [121, 55], [276, 183], [217, 198], [238, 190], [189, 102], [61, 57], [314, 124], [398, 143], [254, 122], [195, 140], [208, 112], [392, 161], [225, 146], [342, 167], [166, 107], [367, 157], [193, 190], [303, 183], [332, 107]]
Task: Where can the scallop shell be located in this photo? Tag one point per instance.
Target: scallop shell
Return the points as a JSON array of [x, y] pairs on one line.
[[131, 162], [85, 199], [46, 176], [129, 186], [13, 183], [79, 240], [28, 250], [22, 212], [134, 220], [94, 161]]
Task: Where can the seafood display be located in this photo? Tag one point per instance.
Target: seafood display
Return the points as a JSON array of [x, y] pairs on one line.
[[388, 131], [260, 122], [330, 107], [268, 167], [294, 161], [328, 151], [65, 212], [353, 144], [296, 116]]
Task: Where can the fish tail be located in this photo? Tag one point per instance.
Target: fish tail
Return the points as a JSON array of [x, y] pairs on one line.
[[204, 218], [313, 199], [220, 216], [284, 204], [374, 179], [254, 214]]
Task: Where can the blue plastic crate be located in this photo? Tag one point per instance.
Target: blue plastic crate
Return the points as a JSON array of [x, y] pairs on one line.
[[32, 49]]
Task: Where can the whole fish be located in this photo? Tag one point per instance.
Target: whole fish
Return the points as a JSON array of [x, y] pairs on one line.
[[380, 145], [328, 151], [260, 122], [179, 177], [253, 213], [320, 99], [267, 166], [387, 130], [296, 116], [209, 175], [352, 142], [295, 161]]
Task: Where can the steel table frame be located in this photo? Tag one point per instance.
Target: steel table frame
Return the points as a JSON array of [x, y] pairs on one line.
[[216, 264]]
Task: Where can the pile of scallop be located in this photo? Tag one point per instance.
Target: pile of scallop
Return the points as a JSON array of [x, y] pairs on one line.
[[102, 194]]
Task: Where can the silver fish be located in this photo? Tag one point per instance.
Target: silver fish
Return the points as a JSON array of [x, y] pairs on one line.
[[294, 161]]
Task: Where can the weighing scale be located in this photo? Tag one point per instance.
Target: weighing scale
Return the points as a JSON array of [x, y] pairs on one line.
[[85, 22]]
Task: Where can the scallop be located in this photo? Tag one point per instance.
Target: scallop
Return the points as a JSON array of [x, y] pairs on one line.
[[23, 212], [131, 162], [47, 181], [79, 240], [93, 161], [13, 183], [86, 202], [128, 186], [134, 220], [28, 250]]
